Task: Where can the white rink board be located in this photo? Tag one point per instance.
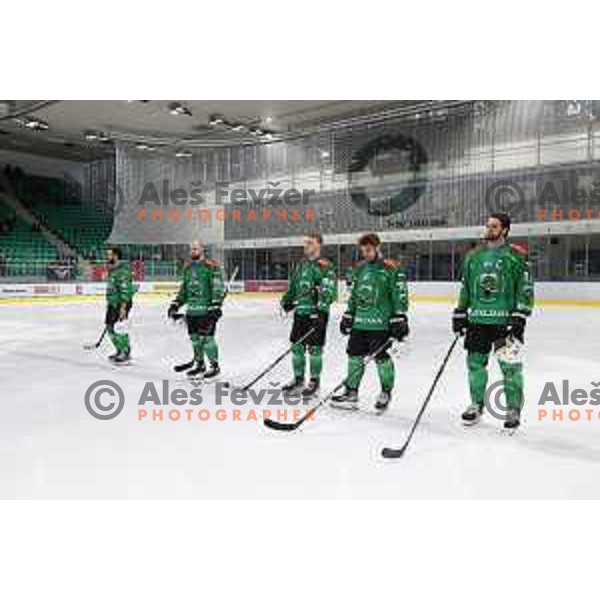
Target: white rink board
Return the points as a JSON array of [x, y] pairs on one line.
[[553, 291]]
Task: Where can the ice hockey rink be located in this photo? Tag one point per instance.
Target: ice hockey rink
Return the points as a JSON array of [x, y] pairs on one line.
[[53, 448]]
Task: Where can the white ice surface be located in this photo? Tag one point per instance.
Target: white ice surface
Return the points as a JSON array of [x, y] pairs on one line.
[[52, 448]]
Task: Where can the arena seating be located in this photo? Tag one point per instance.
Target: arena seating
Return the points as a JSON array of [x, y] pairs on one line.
[[59, 207], [24, 250]]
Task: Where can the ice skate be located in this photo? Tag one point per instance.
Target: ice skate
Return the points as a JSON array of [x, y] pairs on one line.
[[198, 370], [472, 415], [295, 386], [383, 401], [213, 373], [347, 400], [122, 358], [513, 420], [311, 389]]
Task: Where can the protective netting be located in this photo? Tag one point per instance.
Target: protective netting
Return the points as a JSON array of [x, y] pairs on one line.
[[430, 169], [161, 199], [427, 178]]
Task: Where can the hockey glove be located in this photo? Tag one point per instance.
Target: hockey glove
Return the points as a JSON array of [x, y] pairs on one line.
[[287, 305], [215, 313], [399, 327], [460, 321], [516, 327], [173, 313], [319, 320], [346, 324]]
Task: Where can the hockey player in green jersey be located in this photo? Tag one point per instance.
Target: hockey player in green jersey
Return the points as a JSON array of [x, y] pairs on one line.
[[376, 313], [495, 300], [119, 297], [311, 291], [203, 292]]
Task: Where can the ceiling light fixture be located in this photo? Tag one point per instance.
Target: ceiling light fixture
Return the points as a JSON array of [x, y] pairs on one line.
[[215, 120], [32, 123], [175, 108]]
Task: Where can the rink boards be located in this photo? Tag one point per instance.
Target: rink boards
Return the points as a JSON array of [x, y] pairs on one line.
[[585, 294]]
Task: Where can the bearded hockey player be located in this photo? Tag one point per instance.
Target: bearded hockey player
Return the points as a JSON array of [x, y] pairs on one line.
[[119, 298], [202, 290], [495, 300], [312, 289], [376, 313]]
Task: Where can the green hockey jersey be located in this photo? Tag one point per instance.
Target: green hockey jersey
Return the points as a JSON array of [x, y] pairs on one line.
[[379, 292], [496, 281], [312, 286], [120, 288], [201, 287]]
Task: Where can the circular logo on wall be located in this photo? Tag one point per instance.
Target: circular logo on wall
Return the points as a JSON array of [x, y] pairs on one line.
[[388, 174]]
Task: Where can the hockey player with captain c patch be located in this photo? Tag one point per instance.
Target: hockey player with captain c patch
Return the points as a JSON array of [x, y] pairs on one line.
[[496, 298]]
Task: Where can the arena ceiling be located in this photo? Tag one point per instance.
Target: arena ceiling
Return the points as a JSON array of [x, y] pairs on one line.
[[85, 129]]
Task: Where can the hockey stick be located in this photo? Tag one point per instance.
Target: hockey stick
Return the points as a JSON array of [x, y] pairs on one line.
[[398, 452], [293, 426], [231, 279], [277, 360], [97, 344]]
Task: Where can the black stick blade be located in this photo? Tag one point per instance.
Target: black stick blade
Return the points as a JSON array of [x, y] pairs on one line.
[[393, 452], [280, 426], [184, 366]]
